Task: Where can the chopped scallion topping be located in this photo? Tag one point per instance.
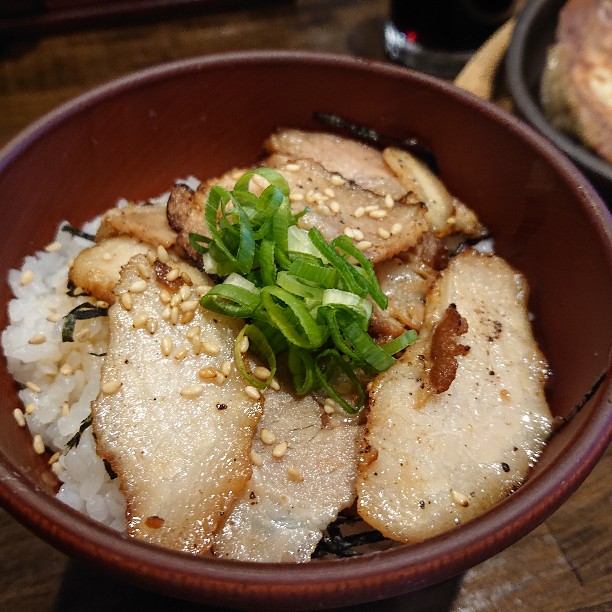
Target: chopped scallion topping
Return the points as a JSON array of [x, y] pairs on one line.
[[299, 293]]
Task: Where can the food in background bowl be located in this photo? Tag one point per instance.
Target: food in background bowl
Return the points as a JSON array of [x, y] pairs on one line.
[[134, 137], [576, 88]]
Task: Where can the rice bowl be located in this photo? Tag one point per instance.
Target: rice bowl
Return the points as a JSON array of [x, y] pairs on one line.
[[407, 567]]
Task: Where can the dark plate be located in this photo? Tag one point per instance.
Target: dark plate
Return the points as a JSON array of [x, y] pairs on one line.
[[535, 31]]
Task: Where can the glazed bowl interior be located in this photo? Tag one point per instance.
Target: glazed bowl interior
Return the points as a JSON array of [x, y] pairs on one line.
[[134, 137], [525, 61]]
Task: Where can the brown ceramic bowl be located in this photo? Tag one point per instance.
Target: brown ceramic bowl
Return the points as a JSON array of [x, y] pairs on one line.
[[133, 137], [525, 61]]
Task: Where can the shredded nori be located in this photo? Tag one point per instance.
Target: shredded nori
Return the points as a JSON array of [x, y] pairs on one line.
[[335, 543], [368, 134], [75, 231], [74, 441], [109, 470], [73, 291], [86, 310]]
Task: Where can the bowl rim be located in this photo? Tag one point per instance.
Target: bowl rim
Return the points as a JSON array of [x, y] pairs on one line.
[[515, 66], [397, 570]]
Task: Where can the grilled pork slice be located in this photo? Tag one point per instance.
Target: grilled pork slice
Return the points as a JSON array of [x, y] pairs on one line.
[[96, 269], [292, 496], [348, 159], [456, 423], [146, 223], [173, 421], [185, 209], [380, 226]]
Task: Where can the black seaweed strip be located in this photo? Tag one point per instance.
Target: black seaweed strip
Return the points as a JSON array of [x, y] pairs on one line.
[[75, 231]]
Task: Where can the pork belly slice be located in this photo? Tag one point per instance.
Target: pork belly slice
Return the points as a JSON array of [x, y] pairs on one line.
[[291, 499], [146, 223], [96, 269], [185, 209], [177, 435], [455, 425], [360, 213], [349, 159]]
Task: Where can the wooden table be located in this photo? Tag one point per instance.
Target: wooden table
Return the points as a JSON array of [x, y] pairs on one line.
[[565, 564]]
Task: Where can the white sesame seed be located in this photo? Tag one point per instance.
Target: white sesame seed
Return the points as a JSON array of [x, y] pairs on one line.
[[138, 286], [26, 278], [267, 436], [211, 348], [296, 196], [256, 458], [371, 207], [349, 231], [196, 343], [359, 212], [279, 450], [383, 233], [126, 301], [337, 180], [173, 274], [220, 379], [57, 467], [54, 317], [275, 385], [65, 409], [294, 474], [30, 408], [102, 304], [165, 314], [166, 346], [174, 315], [143, 271], [460, 498], [162, 254], [329, 192], [244, 344], [292, 167], [39, 338], [53, 247], [261, 373], [140, 319], [226, 368], [66, 369], [32, 386], [185, 292], [187, 317], [151, 257], [357, 234], [186, 278], [389, 201], [363, 245], [324, 209], [328, 409], [202, 290], [151, 326], [334, 206], [260, 181], [207, 373], [192, 391], [180, 355], [189, 305], [176, 299], [196, 330], [18, 414], [396, 228], [377, 214], [110, 387], [252, 392], [54, 457], [38, 444]]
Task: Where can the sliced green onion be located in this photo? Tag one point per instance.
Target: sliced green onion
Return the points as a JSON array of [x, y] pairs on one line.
[[334, 361], [302, 368], [291, 283], [231, 300], [368, 350], [400, 343], [294, 320], [259, 346], [345, 298], [314, 272], [299, 242]]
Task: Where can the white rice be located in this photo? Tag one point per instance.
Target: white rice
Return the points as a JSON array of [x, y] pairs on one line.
[[63, 402]]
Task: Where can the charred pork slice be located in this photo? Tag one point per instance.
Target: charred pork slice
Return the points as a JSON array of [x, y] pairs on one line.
[[96, 269], [348, 159], [305, 465], [147, 223], [380, 226], [455, 425], [172, 417]]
